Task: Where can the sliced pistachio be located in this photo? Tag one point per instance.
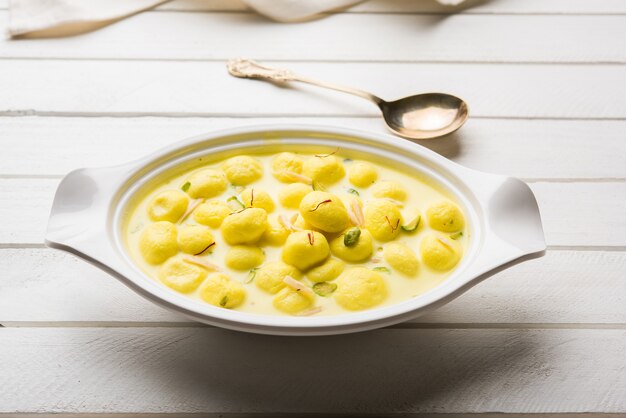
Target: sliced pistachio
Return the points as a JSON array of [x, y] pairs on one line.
[[234, 203], [324, 288], [412, 226], [327, 155], [456, 235], [186, 186], [354, 192], [137, 228], [382, 269], [351, 237], [224, 301], [251, 276], [315, 185]]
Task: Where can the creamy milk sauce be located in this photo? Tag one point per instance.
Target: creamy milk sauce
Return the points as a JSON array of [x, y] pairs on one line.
[[421, 194]]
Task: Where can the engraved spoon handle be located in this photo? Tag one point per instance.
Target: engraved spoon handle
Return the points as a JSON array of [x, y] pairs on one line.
[[245, 68]]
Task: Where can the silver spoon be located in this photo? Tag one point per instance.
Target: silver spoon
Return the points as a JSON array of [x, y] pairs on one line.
[[423, 116]]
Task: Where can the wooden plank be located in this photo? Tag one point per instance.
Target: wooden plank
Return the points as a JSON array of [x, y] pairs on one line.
[[199, 370], [582, 214], [131, 88], [48, 286], [416, 38], [574, 214], [537, 149], [43, 287], [25, 205], [403, 6]]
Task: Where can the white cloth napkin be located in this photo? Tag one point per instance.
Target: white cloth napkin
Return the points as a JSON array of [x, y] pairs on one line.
[[67, 17]]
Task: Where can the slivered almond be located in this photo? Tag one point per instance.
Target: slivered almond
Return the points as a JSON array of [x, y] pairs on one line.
[[293, 176], [190, 210], [198, 261], [355, 212], [395, 202], [296, 285], [352, 217], [287, 223], [310, 312], [446, 243]]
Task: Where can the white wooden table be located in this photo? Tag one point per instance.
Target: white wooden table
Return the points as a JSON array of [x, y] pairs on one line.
[[546, 82]]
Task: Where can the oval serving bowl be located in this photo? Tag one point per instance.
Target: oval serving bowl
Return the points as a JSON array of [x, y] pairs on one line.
[[502, 213]]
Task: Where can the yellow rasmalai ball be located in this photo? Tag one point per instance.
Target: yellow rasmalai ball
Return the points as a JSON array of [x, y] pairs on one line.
[[244, 257], [302, 224], [211, 213], [255, 198], [242, 170], [360, 288], [324, 169], [362, 174], [169, 205], [195, 239], [360, 249], [305, 249], [286, 162], [269, 277], [389, 189], [275, 234], [291, 301], [439, 253], [382, 219], [181, 276], [219, 290], [291, 195], [207, 183], [445, 216], [324, 211], [244, 227], [330, 270], [158, 242], [401, 258]]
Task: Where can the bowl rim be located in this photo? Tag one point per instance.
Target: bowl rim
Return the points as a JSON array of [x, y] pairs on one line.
[[458, 180]]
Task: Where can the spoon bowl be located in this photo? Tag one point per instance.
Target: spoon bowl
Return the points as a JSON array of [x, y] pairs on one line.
[[425, 116]]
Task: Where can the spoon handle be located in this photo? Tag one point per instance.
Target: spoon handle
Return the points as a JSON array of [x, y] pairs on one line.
[[245, 68]]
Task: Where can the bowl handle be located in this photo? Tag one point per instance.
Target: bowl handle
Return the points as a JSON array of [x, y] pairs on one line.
[[514, 232], [80, 210], [514, 216]]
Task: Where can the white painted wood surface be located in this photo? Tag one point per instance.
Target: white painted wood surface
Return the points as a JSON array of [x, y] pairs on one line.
[[546, 83], [184, 88], [550, 150], [199, 369]]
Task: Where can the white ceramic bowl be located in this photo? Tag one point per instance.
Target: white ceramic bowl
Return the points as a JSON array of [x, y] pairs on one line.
[[501, 211]]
